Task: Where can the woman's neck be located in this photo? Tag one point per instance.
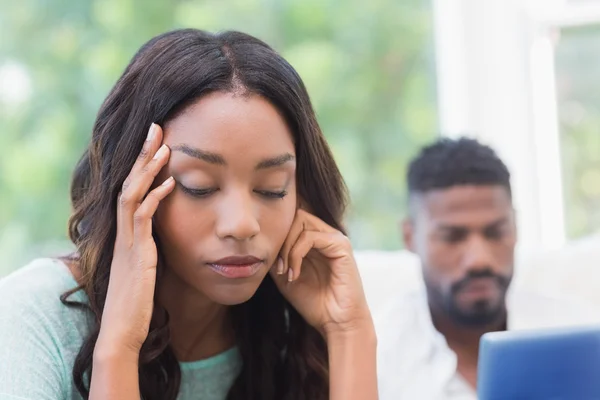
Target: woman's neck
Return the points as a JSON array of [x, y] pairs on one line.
[[200, 328]]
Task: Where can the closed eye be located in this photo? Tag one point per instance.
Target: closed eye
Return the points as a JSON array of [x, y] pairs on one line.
[[205, 192], [200, 193], [454, 235], [272, 195], [495, 233]]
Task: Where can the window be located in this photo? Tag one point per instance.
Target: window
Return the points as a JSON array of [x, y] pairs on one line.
[[522, 75], [577, 54]]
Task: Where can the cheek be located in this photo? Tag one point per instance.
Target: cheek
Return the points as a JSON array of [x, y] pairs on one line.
[[442, 255], [504, 256], [180, 224], [276, 223], [443, 262]]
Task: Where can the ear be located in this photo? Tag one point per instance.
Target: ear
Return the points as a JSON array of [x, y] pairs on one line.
[[407, 231]]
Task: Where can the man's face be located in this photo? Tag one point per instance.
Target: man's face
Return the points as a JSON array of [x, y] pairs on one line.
[[465, 237]]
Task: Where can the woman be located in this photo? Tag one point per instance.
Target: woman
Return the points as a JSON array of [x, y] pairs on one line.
[[210, 258]]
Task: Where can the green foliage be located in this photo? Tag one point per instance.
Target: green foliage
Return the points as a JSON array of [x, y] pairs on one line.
[[367, 65]]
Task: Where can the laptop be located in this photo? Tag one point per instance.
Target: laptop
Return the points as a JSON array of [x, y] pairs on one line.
[[548, 364]]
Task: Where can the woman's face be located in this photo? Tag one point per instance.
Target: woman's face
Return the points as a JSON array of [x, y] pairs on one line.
[[222, 227]]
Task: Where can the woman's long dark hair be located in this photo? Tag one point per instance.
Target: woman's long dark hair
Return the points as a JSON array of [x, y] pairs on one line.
[[283, 357]]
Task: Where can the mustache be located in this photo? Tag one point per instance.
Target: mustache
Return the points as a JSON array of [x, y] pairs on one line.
[[501, 280]]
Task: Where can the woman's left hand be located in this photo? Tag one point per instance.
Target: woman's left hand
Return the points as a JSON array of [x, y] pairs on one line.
[[318, 275]]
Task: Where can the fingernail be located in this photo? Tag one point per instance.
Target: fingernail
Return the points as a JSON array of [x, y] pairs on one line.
[[161, 152], [151, 132], [167, 181], [279, 266], [290, 275]]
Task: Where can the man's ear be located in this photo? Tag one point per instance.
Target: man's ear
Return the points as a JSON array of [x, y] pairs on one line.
[[407, 231]]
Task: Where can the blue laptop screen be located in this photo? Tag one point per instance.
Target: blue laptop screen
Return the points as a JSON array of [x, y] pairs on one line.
[[550, 364]]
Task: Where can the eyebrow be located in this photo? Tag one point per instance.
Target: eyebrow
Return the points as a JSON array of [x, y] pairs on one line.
[[211, 158], [494, 224], [217, 159], [498, 223], [275, 161], [450, 227]]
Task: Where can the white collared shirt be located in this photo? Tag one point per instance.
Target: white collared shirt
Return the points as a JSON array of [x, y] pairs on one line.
[[414, 361]]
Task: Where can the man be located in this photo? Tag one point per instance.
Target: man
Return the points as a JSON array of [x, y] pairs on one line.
[[461, 225]]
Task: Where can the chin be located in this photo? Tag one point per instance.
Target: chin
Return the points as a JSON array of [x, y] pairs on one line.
[[231, 300], [231, 295], [479, 313], [478, 304]]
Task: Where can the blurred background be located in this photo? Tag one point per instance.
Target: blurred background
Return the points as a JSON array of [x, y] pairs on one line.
[[385, 77]]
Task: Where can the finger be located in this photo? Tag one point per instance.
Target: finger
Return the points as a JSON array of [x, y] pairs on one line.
[[135, 193], [149, 148], [282, 283], [303, 245], [143, 179], [314, 223], [302, 222], [124, 227], [125, 206], [142, 218], [330, 244], [295, 230]]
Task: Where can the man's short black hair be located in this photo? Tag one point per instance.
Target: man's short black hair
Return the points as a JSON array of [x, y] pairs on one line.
[[452, 162]]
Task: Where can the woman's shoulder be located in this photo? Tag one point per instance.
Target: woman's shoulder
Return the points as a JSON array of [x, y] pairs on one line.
[[40, 336], [31, 297], [41, 279]]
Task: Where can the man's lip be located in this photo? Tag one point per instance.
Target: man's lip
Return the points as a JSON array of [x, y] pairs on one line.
[[237, 260], [479, 285]]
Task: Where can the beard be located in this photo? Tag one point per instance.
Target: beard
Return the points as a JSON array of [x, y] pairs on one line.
[[478, 313]]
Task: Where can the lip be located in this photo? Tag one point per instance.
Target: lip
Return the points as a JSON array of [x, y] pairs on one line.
[[237, 260], [479, 287], [236, 267]]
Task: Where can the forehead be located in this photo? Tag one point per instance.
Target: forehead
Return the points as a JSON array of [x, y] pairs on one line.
[[465, 205], [231, 124]]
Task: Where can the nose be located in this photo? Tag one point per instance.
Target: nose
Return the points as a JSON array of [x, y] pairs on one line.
[[237, 218], [478, 254]]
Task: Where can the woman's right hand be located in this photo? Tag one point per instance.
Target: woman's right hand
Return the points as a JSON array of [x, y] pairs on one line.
[[130, 297]]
